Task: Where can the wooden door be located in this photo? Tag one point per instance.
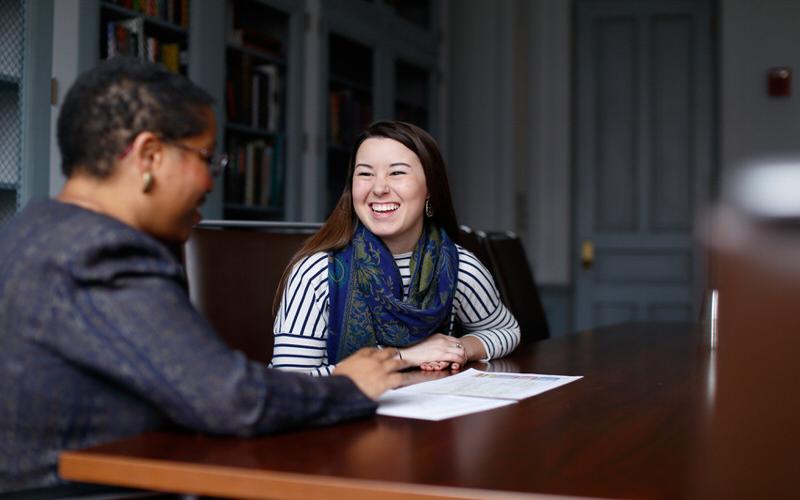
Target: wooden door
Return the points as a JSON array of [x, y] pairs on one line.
[[643, 154]]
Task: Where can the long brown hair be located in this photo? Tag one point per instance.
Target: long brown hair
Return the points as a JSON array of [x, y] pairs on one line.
[[338, 230]]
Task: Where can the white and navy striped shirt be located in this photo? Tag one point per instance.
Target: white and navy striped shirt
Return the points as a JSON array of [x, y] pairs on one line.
[[301, 325]]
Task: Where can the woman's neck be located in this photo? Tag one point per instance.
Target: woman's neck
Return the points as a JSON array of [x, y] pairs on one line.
[[97, 195], [81, 201], [404, 244]]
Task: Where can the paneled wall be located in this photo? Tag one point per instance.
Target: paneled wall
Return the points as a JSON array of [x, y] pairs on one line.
[[756, 36], [522, 179], [507, 86]]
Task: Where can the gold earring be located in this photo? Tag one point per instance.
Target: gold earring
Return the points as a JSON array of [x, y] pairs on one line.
[[428, 208], [147, 181]]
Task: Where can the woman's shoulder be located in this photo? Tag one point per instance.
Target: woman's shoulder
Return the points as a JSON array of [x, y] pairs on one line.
[[311, 267], [470, 264], [92, 247], [467, 257]]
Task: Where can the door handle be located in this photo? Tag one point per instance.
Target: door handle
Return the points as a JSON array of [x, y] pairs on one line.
[[587, 254]]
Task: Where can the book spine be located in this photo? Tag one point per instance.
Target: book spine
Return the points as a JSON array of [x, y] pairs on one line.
[[111, 40], [255, 105], [185, 13], [276, 190], [250, 174], [266, 166], [231, 172], [121, 40], [272, 99], [242, 154], [230, 100], [245, 103], [170, 56], [152, 49]]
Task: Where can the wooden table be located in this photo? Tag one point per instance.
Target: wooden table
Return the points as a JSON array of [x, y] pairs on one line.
[[634, 426]]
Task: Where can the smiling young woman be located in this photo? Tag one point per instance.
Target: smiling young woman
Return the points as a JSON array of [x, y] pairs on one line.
[[389, 192], [384, 270]]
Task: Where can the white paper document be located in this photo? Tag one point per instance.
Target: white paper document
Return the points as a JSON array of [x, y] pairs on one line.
[[433, 406], [467, 392]]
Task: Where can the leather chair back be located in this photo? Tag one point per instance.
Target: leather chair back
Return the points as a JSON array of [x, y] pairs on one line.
[[516, 283], [233, 271], [473, 241]]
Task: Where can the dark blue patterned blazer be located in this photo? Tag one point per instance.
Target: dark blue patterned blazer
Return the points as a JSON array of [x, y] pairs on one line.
[[98, 341]]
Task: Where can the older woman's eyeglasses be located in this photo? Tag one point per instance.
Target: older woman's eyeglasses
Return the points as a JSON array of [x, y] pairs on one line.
[[216, 161]]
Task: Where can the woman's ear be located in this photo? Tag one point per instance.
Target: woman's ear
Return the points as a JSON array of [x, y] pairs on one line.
[[146, 154], [147, 151]]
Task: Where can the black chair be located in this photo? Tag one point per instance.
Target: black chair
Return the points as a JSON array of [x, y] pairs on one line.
[[472, 241], [233, 269], [514, 278]]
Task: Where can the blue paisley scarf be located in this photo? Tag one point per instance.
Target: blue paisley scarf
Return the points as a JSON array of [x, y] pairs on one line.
[[366, 292]]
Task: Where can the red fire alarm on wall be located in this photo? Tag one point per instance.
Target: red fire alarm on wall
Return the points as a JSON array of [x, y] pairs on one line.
[[779, 82]]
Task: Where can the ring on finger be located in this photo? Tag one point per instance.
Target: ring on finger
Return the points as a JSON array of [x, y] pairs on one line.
[[459, 346]]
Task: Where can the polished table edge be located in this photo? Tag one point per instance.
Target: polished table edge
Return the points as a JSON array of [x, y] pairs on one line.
[[230, 482]]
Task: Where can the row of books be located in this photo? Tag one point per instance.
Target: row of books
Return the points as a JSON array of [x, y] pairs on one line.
[[254, 176], [257, 40], [171, 11], [349, 115], [253, 94], [257, 26], [128, 38]]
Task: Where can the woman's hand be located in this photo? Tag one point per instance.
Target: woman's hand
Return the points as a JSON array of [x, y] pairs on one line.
[[434, 365], [473, 349], [436, 351], [373, 371]]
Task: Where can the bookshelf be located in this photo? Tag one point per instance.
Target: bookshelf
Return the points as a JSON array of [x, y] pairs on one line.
[[416, 12], [256, 75], [378, 60], [156, 30], [350, 106], [11, 59], [412, 94], [294, 83]]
